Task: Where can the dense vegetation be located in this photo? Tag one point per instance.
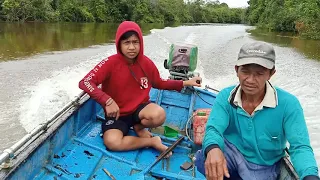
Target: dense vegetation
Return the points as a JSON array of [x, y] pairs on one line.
[[299, 16], [143, 11]]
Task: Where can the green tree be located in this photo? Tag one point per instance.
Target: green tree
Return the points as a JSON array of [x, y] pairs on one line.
[[301, 16], [98, 9], [142, 11]]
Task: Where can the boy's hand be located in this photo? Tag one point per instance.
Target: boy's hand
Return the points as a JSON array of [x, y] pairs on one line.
[[112, 109], [196, 81]]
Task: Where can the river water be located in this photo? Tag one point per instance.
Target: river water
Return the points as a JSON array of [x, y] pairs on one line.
[[37, 80]]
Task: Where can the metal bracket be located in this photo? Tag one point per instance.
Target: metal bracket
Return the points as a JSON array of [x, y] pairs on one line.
[[8, 162], [208, 87]]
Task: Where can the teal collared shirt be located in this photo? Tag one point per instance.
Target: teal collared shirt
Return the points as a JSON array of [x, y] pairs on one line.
[[262, 136]]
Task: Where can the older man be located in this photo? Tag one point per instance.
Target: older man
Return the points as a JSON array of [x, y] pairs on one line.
[[250, 124]]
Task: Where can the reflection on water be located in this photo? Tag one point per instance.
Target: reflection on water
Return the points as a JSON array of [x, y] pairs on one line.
[[309, 48], [24, 39], [18, 40]]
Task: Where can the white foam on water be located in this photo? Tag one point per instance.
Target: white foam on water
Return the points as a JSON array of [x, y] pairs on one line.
[[48, 96], [156, 33]]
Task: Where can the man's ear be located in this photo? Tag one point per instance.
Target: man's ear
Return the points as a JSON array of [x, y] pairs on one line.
[[236, 68], [272, 72]]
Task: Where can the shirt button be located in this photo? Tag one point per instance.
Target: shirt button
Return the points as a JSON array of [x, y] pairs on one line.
[[249, 124]]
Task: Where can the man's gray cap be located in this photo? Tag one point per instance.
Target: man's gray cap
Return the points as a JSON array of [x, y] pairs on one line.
[[260, 53]]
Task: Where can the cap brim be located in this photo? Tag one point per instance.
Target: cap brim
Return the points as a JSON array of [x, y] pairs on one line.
[[260, 61]]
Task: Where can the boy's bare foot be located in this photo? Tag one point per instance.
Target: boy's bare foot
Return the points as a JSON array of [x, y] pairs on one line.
[[159, 146], [144, 133]]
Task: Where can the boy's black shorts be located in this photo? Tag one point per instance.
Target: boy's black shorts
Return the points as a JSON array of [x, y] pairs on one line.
[[124, 122]]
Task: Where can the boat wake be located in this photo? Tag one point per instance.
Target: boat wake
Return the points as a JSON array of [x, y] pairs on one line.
[[48, 96]]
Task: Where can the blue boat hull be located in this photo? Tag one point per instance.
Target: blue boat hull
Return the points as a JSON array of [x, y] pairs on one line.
[[72, 147]]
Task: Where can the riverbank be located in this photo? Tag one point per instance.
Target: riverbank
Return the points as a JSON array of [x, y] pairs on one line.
[[308, 47]]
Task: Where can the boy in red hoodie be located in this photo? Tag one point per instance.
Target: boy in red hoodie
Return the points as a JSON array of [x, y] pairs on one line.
[[126, 79]]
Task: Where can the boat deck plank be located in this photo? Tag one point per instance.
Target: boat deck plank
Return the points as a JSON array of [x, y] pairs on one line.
[[85, 157]]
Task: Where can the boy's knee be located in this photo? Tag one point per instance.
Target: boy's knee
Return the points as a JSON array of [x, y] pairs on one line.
[[159, 117], [113, 143]]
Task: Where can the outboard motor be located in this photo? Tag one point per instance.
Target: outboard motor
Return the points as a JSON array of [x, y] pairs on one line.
[[182, 61]]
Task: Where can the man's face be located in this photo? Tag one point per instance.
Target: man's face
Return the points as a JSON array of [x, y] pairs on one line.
[[130, 47], [253, 78]]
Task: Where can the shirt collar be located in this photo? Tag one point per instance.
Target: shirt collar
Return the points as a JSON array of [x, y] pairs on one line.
[[270, 99]]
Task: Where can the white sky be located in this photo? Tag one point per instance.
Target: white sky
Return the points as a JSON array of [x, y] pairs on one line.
[[235, 3]]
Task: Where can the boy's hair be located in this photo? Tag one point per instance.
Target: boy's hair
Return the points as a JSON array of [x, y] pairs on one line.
[[128, 34]]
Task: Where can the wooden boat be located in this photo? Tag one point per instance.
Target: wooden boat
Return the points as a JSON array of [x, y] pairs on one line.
[[70, 146]]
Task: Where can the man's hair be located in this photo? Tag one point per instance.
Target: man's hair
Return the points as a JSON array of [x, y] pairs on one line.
[[128, 34], [271, 70]]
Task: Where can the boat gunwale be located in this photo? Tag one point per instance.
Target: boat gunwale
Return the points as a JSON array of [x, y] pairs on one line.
[[289, 167], [40, 138]]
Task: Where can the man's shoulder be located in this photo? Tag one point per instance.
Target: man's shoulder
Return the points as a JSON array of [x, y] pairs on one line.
[[228, 90], [285, 97], [226, 93]]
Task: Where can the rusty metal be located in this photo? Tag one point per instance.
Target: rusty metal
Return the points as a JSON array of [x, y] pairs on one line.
[[163, 154], [168, 164], [109, 174], [208, 87], [162, 165]]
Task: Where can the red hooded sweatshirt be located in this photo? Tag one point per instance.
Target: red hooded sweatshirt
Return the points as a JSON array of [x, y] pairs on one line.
[[127, 88]]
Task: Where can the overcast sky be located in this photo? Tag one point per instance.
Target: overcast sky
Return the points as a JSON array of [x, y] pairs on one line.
[[235, 3]]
